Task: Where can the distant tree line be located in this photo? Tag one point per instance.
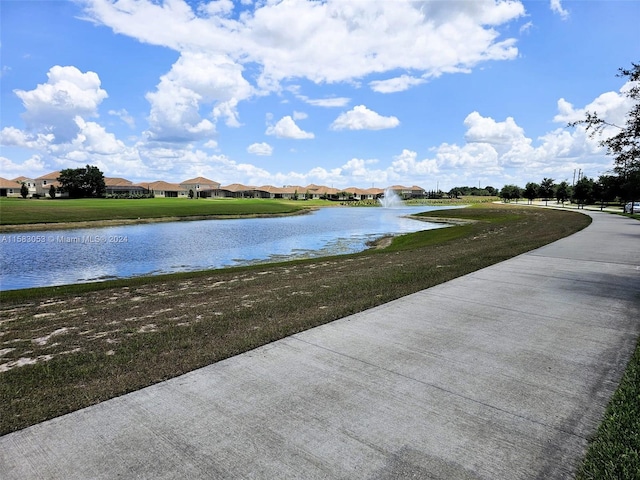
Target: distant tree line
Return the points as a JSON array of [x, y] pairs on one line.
[[622, 184], [586, 191], [458, 192]]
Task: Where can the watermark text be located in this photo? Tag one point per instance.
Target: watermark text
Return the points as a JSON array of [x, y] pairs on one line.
[[64, 239]]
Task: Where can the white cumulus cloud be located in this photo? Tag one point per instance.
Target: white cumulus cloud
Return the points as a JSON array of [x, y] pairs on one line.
[[53, 106], [361, 118], [286, 128], [556, 7], [610, 106], [263, 149], [123, 115], [275, 41], [196, 80], [347, 40], [407, 163], [300, 115], [331, 102], [487, 130], [14, 137], [398, 84], [33, 166]]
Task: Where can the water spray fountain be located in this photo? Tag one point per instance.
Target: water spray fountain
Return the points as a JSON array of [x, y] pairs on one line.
[[391, 199]]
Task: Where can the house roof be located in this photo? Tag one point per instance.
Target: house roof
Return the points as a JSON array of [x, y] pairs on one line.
[[237, 187], [402, 187], [267, 188], [322, 190], [50, 176], [292, 189], [356, 191], [161, 185], [117, 182], [199, 180], [4, 183], [21, 178]]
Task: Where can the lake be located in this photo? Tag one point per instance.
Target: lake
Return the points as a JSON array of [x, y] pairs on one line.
[[59, 257]]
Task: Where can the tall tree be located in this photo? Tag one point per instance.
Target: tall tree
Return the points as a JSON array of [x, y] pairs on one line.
[[510, 192], [531, 190], [82, 182], [24, 190], [94, 185], [563, 192], [624, 146], [608, 188], [546, 189], [584, 191]]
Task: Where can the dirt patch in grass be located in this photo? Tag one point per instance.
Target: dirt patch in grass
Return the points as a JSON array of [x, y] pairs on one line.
[[448, 220], [64, 349]]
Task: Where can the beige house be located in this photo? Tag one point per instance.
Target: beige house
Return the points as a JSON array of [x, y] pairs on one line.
[[43, 184], [317, 192], [288, 192], [122, 186], [374, 193], [266, 191], [202, 187], [9, 188], [408, 192], [29, 182], [291, 192], [417, 192], [364, 194], [13, 187], [237, 190], [166, 190]]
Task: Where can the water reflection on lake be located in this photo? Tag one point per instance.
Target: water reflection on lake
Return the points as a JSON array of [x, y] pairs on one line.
[[37, 259]]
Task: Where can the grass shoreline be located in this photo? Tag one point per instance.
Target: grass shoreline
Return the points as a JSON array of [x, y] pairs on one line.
[[47, 213], [32, 227]]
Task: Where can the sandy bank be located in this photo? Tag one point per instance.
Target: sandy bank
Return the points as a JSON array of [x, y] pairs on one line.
[[451, 221]]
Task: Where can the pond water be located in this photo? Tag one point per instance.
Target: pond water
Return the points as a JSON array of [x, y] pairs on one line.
[[38, 259]]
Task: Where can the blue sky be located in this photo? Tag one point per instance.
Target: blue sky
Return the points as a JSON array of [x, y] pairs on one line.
[[336, 92]]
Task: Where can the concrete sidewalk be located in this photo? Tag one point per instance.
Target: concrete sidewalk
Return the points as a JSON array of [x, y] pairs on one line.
[[501, 374]]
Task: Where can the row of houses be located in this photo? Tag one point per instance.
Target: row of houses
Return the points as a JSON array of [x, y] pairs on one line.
[[205, 188]]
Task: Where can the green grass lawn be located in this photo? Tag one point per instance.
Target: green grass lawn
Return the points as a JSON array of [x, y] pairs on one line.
[[18, 211], [614, 452], [463, 200]]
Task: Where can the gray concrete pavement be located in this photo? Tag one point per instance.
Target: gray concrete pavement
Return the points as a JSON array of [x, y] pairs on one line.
[[501, 374]]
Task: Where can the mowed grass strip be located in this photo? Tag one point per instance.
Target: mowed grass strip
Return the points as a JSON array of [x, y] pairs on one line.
[[614, 452], [18, 211], [66, 348]]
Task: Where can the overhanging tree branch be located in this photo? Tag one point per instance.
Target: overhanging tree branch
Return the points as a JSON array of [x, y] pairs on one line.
[[625, 145]]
